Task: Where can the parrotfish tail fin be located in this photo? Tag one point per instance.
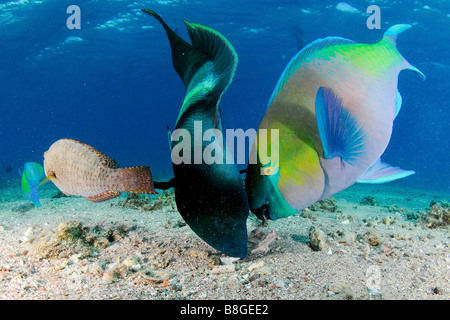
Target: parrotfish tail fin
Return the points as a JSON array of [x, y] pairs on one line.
[[340, 133], [381, 172], [391, 36], [135, 180], [392, 33]]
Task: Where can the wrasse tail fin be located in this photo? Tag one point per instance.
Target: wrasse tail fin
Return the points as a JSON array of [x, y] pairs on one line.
[[135, 179]]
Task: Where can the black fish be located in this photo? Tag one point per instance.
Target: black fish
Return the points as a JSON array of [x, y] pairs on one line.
[[210, 197]]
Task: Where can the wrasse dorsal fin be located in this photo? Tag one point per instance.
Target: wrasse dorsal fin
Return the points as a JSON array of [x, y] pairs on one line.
[[106, 161]]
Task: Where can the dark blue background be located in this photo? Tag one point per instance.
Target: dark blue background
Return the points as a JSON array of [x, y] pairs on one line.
[[116, 90]]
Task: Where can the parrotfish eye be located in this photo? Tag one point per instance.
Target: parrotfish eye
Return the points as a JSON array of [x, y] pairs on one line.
[[267, 171]]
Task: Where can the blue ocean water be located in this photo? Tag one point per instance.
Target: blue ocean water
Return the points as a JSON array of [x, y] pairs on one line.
[[111, 83]]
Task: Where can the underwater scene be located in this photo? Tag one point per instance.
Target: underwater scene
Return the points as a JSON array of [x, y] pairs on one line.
[[224, 150]]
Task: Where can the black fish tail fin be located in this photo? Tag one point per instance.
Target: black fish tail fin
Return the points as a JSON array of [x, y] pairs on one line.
[[185, 59], [191, 60], [220, 53]]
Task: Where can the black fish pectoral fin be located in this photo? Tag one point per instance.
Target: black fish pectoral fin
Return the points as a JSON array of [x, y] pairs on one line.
[[164, 185]]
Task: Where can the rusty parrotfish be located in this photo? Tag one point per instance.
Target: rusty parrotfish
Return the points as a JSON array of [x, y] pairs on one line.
[[334, 106], [78, 169]]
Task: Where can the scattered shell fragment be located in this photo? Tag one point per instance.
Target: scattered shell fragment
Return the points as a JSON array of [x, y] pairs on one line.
[[255, 265], [228, 260], [317, 239], [228, 268]]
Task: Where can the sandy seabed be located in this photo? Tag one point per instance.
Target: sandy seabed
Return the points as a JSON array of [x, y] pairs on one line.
[[71, 248]]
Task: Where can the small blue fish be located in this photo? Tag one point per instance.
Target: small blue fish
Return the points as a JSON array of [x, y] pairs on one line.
[[33, 175]]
